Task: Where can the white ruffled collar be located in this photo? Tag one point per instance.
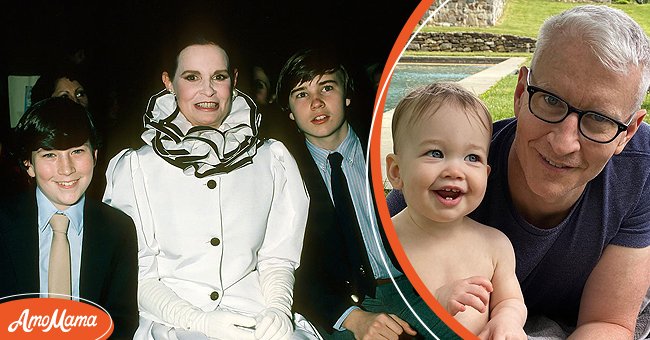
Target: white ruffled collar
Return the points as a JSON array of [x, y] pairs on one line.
[[201, 150]]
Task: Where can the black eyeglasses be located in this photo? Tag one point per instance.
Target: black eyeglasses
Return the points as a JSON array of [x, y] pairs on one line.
[[552, 109]]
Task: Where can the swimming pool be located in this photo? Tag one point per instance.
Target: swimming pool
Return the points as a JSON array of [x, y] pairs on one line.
[[407, 77]]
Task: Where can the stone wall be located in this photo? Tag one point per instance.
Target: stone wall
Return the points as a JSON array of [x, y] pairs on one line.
[[475, 13], [470, 42]]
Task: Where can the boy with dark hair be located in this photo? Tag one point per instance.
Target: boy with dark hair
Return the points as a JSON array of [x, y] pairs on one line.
[[56, 241], [342, 285]]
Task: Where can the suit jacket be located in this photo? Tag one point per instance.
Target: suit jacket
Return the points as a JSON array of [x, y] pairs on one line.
[[325, 285], [109, 262]]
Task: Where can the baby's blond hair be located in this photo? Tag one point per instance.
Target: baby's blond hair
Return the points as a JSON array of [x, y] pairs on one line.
[[428, 99]]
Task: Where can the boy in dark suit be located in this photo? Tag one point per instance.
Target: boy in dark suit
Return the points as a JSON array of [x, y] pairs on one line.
[[342, 284], [53, 240]]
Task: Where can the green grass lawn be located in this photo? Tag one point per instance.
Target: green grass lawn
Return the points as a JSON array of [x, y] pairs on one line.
[[499, 98], [523, 18]]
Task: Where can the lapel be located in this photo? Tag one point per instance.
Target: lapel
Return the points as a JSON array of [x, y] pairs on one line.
[[95, 262], [309, 171], [21, 240]]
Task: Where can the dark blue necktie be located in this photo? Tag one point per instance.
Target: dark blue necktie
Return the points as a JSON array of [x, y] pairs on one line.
[[347, 219]]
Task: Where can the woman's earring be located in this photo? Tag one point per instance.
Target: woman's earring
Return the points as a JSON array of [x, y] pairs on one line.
[[234, 94], [172, 92]]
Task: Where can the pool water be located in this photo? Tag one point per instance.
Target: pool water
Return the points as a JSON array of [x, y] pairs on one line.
[[407, 77]]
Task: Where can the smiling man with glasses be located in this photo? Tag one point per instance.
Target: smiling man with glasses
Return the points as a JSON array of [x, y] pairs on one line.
[[592, 125], [570, 180]]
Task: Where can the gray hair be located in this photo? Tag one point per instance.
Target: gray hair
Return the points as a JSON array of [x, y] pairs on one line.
[[615, 38]]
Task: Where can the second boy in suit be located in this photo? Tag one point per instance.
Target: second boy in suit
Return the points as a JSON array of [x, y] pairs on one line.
[[342, 285]]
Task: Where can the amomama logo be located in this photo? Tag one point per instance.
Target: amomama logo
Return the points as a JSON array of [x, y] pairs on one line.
[[43, 318]]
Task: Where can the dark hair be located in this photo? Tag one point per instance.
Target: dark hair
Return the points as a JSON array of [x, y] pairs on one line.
[[46, 83], [305, 66], [175, 45], [53, 124]]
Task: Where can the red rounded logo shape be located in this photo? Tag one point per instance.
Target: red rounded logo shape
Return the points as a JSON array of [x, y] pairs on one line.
[[47, 318]]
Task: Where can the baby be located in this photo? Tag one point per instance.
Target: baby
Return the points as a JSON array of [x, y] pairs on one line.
[[441, 136]]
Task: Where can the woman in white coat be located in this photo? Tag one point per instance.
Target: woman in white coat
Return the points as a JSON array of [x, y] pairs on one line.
[[220, 214]]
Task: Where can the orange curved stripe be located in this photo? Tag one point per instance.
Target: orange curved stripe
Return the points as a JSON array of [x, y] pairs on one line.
[[377, 184]]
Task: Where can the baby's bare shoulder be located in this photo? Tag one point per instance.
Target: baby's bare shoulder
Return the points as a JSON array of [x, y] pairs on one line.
[[489, 234]]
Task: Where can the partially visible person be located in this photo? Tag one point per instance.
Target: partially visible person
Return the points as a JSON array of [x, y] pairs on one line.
[[57, 143], [342, 285], [569, 182], [264, 75], [441, 136], [264, 93], [61, 81], [220, 215], [373, 72]]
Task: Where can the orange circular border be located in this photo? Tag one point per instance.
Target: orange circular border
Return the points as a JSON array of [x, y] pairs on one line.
[[377, 184]]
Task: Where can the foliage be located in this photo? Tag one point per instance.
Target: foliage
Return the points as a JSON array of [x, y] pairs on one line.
[[524, 17]]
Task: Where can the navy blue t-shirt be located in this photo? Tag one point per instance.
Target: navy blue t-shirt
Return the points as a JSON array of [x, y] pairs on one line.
[[554, 264]]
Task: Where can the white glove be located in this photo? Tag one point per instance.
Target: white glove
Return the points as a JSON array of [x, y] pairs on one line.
[[221, 324], [274, 322], [157, 299]]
